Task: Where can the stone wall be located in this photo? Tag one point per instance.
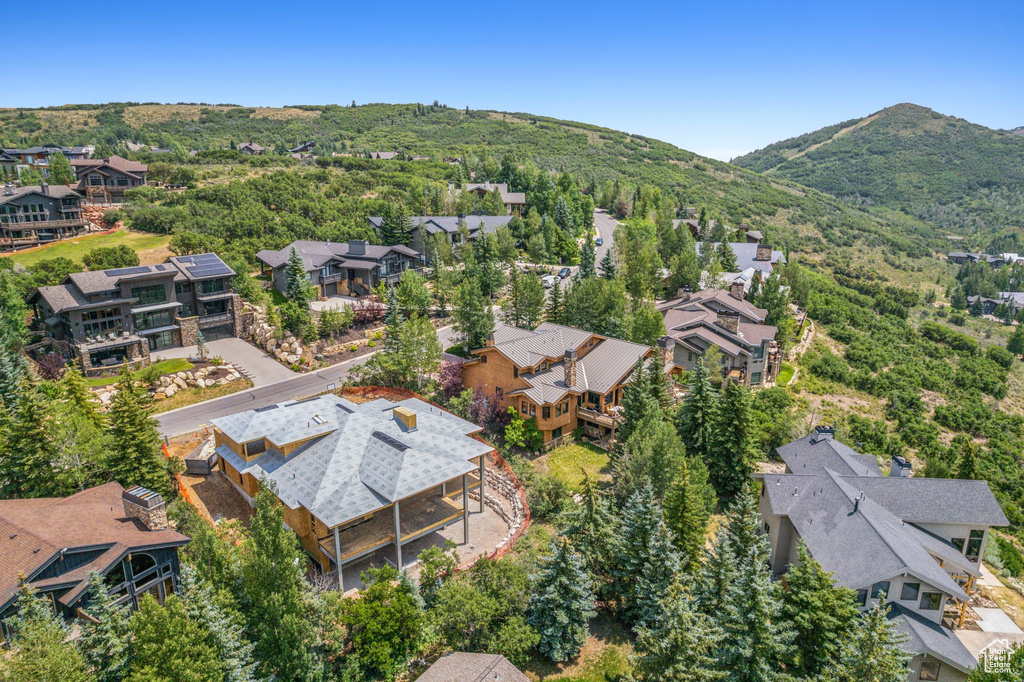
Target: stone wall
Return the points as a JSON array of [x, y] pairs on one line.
[[505, 501], [189, 330]]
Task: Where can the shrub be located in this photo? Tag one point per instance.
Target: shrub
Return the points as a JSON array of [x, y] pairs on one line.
[[1000, 356], [1010, 556], [547, 497]]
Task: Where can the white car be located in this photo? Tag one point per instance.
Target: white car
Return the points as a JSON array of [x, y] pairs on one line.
[[549, 281]]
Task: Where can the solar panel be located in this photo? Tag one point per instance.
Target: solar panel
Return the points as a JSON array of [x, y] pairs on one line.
[[129, 271]]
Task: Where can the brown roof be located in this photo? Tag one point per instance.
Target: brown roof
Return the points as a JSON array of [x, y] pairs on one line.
[[114, 161], [33, 531], [463, 667]]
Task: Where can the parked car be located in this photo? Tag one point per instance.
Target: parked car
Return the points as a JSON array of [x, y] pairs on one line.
[[599, 241], [548, 281], [564, 272]]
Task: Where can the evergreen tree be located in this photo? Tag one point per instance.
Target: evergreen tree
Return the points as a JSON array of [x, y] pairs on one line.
[[26, 466], [874, 653], [555, 311], [653, 455], [395, 225], [592, 529], [588, 255], [136, 457], [646, 559], [105, 643], [638, 402], [76, 392], [562, 603], [966, 453], [660, 383], [226, 635], [524, 304], [169, 646], [297, 286], [1015, 344], [60, 170], [823, 614], [773, 296], [731, 445], [716, 575], [275, 594], [608, 268], [726, 257], [680, 645], [698, 415], [393, 320], [39, 650], [201, 350], [472, 316], [687, 508]]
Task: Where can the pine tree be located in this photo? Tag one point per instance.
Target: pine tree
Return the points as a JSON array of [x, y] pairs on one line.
[[26, 466], [562, 603], [680, 645], [823, 614], [555, 310], [473, 319], [645, 558], [653, 455], [716, 575], [698, 414], [60, 170], [660, 383], [687, 508], [638, 402], [296, 280], [588, 256], [608, 268], [1015, 344], [227, 636], [592, 529], [136, 458], [106, 643], [395, 225], [201, 346], [726, 257], [393, 320], [731, 454], [168, 645], [874, 652], [75, 391], [966, 453], [39, 650], [524, 304]]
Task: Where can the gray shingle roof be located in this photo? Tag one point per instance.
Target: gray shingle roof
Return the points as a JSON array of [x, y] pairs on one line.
[[357, 458], [927, 637], [464, 667], [936, 500], [52, 192], [450, 224], [812, 453], [315, 254]]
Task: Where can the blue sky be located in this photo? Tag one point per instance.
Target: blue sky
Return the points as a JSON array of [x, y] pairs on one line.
[[720, 79]]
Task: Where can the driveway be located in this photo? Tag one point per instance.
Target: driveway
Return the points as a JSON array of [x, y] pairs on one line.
[[261, 368], [332, 302], [193, 417], [605, 226]]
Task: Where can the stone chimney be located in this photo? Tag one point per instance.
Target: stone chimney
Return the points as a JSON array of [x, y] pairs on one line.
[[357, 247], [823, 432], [666, 350], [146, 506], [736, 290], [490, 339], [570, 367], [405, 418], [900, 467], [729, 322], [764, 252], [682, 294]]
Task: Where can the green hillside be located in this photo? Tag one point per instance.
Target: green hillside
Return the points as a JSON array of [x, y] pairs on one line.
[[790, 215], [958, 176]]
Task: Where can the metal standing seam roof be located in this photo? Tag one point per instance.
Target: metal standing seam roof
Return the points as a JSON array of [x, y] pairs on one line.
[[548, 340], [746, 256], [358, 459]]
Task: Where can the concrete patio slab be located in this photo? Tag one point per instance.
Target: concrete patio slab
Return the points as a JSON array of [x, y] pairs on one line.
[[332, 302], [257, 365], [996, 620]]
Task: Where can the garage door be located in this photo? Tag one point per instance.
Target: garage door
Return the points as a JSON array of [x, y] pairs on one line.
[[223, 331]]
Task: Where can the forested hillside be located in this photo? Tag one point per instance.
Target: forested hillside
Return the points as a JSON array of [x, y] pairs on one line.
[[790, 215], [958, 176]]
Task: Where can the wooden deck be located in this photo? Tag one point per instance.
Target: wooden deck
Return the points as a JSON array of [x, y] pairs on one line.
[[417, 515]]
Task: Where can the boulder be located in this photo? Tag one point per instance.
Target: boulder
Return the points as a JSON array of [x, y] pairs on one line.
[[170, 390], [159, 396], [104, 396], [230, 377], [201, 383], [180, 382]]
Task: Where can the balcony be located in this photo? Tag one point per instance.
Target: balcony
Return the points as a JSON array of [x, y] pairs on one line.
[[210, 320], [213, 295]]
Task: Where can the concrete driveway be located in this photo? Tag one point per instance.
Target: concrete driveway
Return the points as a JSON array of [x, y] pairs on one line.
[[332, 302], [261, 368]]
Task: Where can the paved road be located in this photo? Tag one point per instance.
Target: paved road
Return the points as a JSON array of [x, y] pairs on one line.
[[191, 418], [605, 225]]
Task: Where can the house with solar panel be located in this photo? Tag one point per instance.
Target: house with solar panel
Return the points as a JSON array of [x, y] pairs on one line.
[[356, 479], [915, 542], [559, 376], [108, 317]]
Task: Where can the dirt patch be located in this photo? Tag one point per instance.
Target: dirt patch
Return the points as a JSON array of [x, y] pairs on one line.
[[845, 131], [139, 115], [604, 655], [283, 114]]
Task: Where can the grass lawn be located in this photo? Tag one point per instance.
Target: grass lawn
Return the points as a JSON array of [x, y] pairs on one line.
[[193, 395], [568, 463], [786, 372], [158, 368], [152, 248], [276, 297]]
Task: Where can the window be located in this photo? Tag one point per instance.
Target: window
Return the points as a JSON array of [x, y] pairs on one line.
[[102, 327], [212, 286], [755, 378], [483, 359], [862, 597], [930, 601], [609, 399], [515, 372], [558, 410], [565, 406], [522, 407], [152, 293], [533, 410], [689, 356], [183, 287], [557, 433], [141, 562], [145, 321], [973, 552], [499, 391], [546, 412], [767, 528], [593, 398], [910, 591], [215, 307], [958, 543], [757, 353], [160, 340], [930, 670], [879, 589]]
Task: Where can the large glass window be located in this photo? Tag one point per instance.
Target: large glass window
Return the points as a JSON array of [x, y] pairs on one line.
[[879, 589], [150, 294], [103, 326], [974, 545], [910, 591], [161, 318], [930, 670], [930, 601], [862, 597], [215, 307], [161, 340], [212, 286], [141, 562], [107, 357]]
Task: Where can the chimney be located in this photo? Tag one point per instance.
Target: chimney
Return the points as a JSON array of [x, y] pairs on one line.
[[764, 252], [570, 367], [729, 322], [856, 502], [490, 340], [736, 290], [666, 350], [405, 418], [357, 247], [682, 294], [900, 467], [462, 217], [146, 506], [823, 432], [9, 189]]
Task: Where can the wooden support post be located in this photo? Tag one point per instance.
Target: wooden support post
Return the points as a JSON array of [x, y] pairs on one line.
[[398, 538], [465, 508], [481, 491], [337, 557]]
